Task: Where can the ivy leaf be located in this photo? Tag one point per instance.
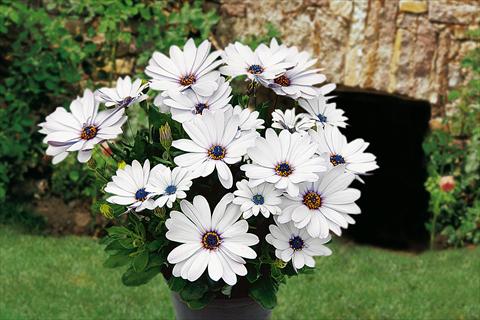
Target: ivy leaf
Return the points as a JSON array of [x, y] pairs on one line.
[[264, 291]]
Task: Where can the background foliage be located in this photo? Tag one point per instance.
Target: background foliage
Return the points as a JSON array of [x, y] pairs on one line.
[[453, 149], [51, 50]]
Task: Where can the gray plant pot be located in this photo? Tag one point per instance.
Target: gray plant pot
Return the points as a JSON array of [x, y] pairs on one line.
[[222, 309]]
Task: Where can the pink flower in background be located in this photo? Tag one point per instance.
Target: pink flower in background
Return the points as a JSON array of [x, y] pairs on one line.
[[447, 183]]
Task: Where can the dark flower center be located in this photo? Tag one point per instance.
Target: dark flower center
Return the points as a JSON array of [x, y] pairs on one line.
[[296, 243], [216, 152], [312, 200], [200, 107], [188, 80], [141, 194], [171, 189], [283, 81], [125, 102], [89, 132], [255, 69], [322, 118], [336, 159], [258, 199], [211, 240], [283, 169]]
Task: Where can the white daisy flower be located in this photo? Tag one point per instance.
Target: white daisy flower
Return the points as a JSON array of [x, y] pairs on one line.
[[213, 145], [128, 187], [324, 113], [275, 47], [252, 200], [323, 205], [81, 128], [216, 242], [285, 160], [185, 106], [169, 184], [299, 81], [191, 68], [289, 121], [159, 102], [260, 66], [124, 94], [333, 145], [248, 120], [296, 244]]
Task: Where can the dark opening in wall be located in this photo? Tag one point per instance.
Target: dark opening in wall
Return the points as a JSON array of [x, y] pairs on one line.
[[394, 201]]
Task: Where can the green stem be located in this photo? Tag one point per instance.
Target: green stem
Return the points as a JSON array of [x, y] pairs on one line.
[[436, 213]]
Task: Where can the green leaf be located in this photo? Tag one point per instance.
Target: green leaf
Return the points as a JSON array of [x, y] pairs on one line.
[[140, 261], [253, 272], [193, 291], [176, 283], [116, 261], [202, 302], [156, 260], [114, 246], [155, 245], [118, 231], [131, 278], [264, 292], [227, 290], [127, 243]]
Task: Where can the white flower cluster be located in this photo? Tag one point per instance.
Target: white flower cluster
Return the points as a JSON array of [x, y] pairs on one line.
[[299, 172]]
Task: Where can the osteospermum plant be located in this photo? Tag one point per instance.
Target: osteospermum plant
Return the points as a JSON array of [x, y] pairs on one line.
[[220, 197]]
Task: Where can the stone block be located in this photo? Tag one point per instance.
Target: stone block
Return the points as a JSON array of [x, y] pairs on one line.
[[413, 6]]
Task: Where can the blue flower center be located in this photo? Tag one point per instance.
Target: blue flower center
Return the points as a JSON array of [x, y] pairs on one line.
[[171, 189], [211, 240], [216, 152], [200, 107], [296, 243], [336, 159], [258, 199], [322, 118], [283, 169], [125, 102], [141, 194], [89, 132], [255, 69]]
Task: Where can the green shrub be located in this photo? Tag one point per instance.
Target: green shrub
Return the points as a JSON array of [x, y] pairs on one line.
[[51, 49], [454, 152]]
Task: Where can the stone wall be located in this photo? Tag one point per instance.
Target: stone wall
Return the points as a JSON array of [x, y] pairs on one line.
[[411, 48]]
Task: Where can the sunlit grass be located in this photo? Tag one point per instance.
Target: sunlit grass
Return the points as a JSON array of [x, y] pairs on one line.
[[63, 278]]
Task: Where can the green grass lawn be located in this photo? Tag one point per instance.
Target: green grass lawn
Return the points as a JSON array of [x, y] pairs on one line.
[[63, 278]]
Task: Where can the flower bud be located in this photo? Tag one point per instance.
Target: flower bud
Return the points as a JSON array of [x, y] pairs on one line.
[[165, 136], [92, 163], [447, 183], [280, 264], [159, 212], [121, 165], [106, 211]]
